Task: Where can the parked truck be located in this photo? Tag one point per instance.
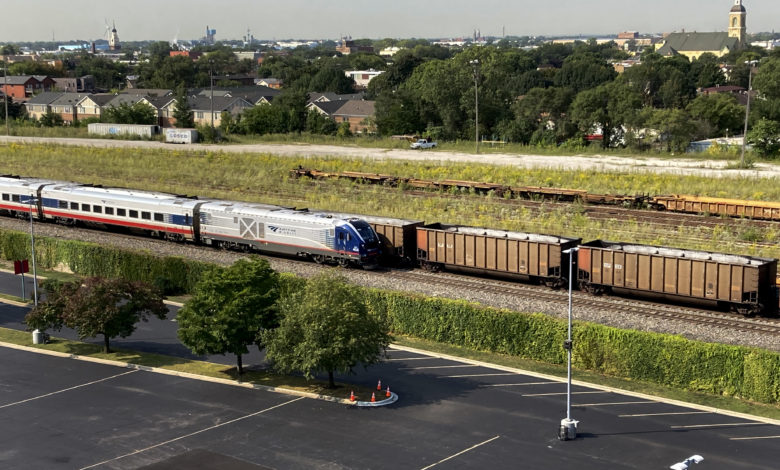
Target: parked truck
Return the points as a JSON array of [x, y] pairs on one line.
[[423, 144]]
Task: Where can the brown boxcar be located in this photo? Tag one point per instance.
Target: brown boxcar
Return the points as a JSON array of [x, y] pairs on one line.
[[709, 205], [530, 255], [744, 283]]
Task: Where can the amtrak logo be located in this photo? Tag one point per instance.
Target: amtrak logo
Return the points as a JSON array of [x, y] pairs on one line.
[[281, 230]]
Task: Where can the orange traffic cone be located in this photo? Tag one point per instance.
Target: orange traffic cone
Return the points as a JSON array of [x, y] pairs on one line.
[[379, 385], [388, 391], [373, 397], [352, 396]]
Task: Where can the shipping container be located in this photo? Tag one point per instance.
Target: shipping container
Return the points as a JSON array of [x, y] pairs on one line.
[[744, 283], [140, 130], [763, 210], [533, 256], [181, 136]]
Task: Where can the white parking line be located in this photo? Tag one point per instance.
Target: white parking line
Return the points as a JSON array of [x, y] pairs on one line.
[[436, 367], [615, 403], [192, 433], [666, 414], [520, 384], [67, 389], [560, 393], [691, 426], [473, 375], [460, 453], [750, 438]]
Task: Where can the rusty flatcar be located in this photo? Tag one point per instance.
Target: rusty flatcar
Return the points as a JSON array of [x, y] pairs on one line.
[[743, 283], [762, 210], [532, 256]]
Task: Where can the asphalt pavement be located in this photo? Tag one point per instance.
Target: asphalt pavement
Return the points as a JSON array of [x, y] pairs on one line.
[[64, 413]]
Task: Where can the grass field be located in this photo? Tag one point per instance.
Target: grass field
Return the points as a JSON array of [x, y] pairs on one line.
[[265, 178]]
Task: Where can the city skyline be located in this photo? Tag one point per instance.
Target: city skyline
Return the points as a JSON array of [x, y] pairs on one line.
[[317, 19]]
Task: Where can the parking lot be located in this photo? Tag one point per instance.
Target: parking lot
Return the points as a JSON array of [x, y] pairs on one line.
[[65, 413]]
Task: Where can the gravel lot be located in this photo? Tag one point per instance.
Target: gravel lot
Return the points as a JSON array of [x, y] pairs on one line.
[[679, 166]]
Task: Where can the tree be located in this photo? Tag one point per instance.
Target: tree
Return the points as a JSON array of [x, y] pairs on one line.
[[611, 107], [317, 123], [326, 327], [51, 119], [230, 308], [136, 113], [676, 128], [183, 112], [765, 138], [108, 307], [721, 111]]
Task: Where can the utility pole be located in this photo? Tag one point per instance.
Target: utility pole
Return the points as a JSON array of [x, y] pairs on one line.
[[568, 429], [211, 86], [747, 114], [475, 63], [5, 96], [32, 253]]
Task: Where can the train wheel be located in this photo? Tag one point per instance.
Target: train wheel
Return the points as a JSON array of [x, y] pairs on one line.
[[319, 259], [343, 262]]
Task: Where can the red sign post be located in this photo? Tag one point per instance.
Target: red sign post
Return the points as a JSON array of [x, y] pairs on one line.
[[21, 267]]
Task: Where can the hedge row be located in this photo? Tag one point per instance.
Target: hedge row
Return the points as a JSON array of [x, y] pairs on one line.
[[674, 361], [173, 275]]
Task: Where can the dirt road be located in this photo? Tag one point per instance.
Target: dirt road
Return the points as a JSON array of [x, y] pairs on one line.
[[679, 166]]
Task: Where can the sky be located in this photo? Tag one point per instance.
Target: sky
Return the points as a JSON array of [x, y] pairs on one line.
[[42, 20]]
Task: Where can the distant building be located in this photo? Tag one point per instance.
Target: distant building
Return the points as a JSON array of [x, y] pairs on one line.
[[693, 45], [113, 40], [190, 54], [274, 83], [362, 77], [20, 87], [210, 35], [347, 46]]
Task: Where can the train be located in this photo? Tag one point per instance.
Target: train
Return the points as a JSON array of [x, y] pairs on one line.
[[743, 284], [229, 224]]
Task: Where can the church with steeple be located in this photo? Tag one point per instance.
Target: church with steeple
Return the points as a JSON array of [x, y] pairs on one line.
[[693, 45]]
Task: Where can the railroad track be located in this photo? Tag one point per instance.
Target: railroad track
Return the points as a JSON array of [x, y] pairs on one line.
[[614, 305]]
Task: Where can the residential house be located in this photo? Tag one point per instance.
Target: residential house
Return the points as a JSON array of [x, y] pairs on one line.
[[147, 92], [326, 108], [92, 106], [359, 114], [736, 91], [165, 106], [85, 84], [347, 46], [20, 87], [330, 96], [274, 83], [40, 104], [362, 77], [244, 79], [256, 95], [46, 83], [203, 107], [66, 106]]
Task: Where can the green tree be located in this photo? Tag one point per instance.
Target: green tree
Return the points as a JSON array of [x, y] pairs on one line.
[[183, 112], [721, 111], [584, 71], [51, 119], [230, 308], [108, 307], [676, 128], [136, 113], [611, 107], [265, 119], [326, 327], [48, 315], [767, 79], [316, 123], [765, 138]]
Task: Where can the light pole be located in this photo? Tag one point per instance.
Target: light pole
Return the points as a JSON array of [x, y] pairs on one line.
[[568, 429], [32, 252], [5, 95], [475, 63], [747, 114], [211, 86]]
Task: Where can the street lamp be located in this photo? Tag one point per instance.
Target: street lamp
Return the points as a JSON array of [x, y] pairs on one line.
[[475, 63], [747, 112], [211, 86], [568, 429]]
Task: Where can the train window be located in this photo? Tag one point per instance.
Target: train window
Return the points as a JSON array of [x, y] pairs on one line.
[[341, 235], [159, 217], [62, 204], [6, 197], [74, 206], [15, 197], [121, 212], [85, 207], [146, 215], [97, 209], [109, 211], [134, 214]]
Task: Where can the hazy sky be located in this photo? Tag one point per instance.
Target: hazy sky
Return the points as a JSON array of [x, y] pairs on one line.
[[39, 20]]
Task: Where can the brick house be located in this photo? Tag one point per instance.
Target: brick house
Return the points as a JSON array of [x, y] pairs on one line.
[[359, 115], [40, 104], [91, 106], [202, 107], [66, 106], [20, 87]]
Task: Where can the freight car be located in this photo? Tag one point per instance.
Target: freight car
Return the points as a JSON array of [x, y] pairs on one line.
[[532, 256], [743, 283], [716, 206]]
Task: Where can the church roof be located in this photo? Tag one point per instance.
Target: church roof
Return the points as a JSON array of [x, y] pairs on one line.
[[682, 42], [738, 8]]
